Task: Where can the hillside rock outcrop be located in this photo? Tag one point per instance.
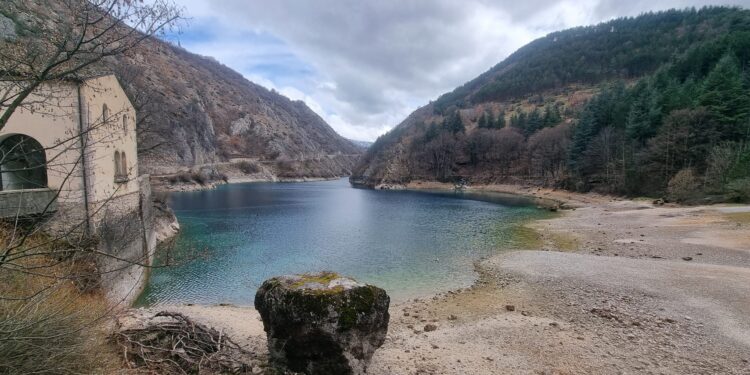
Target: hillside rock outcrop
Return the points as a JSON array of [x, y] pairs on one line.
[[196, 112]]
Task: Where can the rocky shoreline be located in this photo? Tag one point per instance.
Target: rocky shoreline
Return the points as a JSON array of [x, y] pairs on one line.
[[610, 286], [194, 186]]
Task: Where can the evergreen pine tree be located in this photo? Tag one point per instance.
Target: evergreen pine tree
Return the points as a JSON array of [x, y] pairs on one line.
[[584, 132], [500, 122], [433, 130], [490, 119], [724, 96], [515, 121], [454, 124], [534, 123], [552, 116], [643, 116], [482, 123], [518, 121]]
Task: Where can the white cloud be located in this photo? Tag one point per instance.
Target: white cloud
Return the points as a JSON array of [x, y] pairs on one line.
[[364, 66]]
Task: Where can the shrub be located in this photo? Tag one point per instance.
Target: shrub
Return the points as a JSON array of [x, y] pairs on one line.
[[287, 168], [184, 177], [740, 189], [199, 177], [53, 333], [683, 186], [47, 325], [248, 167]]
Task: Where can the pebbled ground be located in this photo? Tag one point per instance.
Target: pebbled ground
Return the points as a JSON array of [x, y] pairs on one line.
[[622, 301]]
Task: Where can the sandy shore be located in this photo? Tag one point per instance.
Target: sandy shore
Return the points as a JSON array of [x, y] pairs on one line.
[[612, 287]]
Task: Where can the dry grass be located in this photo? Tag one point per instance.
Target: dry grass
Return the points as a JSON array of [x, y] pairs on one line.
[[525, 237], [47, 325], [739, 217], [563, 241], [530, 238]]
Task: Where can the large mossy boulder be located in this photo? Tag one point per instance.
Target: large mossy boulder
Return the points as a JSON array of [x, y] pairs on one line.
[[322, 323]]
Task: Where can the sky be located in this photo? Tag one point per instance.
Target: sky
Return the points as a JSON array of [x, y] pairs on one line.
[[365, 65]]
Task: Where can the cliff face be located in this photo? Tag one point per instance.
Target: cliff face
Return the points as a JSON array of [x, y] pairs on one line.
[[195, 112]]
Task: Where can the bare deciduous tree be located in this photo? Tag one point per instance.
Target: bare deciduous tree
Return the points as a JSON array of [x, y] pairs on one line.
[[47, 318], [63, 39], [548, 150], [441, 153]]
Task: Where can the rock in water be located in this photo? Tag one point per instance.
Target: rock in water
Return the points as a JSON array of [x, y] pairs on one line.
[[322, 323]]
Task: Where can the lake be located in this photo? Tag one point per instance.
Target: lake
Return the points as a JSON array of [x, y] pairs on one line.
[[411, 243]]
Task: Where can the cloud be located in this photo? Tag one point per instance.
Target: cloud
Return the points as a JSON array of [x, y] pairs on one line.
[[364, 66]]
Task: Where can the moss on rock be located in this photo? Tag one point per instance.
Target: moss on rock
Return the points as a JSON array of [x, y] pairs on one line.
[[312, 320]]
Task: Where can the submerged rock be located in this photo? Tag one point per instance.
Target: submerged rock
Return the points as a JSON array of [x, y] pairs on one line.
[[322, 323]]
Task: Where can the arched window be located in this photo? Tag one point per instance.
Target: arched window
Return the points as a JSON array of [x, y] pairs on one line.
[[23, 163], [105, 113]]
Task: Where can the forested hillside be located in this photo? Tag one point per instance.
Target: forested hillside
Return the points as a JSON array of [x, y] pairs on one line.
[[655, 105]]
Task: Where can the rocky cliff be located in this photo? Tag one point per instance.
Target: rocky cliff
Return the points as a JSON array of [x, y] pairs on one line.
[[196, 113]]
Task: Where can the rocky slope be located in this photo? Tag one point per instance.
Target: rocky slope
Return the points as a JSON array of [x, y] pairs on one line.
[[519, 121], [196, 112]]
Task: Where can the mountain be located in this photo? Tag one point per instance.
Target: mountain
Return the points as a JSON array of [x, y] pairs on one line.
[[199, 113], [363, 144], [195, 115], [616, 107]]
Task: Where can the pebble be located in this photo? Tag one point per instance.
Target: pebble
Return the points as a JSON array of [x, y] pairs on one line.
[[687, 259], [510, 307], [430, 327]]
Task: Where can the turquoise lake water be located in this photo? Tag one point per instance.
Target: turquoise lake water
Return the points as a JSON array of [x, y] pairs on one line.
[[410, 243]]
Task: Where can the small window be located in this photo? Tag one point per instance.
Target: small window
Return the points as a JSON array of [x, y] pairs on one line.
[[125, 124], [120, 163], [105, 114], [124, 167]]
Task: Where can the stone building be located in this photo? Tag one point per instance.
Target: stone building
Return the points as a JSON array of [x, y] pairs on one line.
[[68, 157]]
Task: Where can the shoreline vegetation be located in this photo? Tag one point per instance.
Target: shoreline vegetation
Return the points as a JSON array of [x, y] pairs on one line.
[[609, 285]]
